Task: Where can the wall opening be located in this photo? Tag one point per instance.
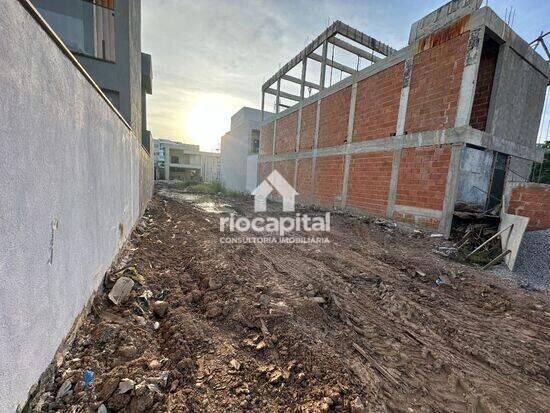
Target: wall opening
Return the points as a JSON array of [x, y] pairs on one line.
[[484, 85]]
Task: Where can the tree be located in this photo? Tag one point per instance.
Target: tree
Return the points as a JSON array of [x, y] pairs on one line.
[[541, 171]]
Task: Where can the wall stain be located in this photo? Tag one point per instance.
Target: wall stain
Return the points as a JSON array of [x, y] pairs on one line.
[[55, 225], [444, 35]]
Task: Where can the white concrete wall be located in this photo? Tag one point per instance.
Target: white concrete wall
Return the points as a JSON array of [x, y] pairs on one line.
[[210, 167], [251, 172], [236, 146], [69, 159]]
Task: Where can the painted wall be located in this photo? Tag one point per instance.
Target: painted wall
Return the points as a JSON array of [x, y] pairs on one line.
[[251, 172], [235, 147], [74, 181]]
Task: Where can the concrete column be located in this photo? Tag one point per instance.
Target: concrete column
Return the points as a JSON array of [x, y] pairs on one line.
[[314, 154], [277, 97], [263, 105], [273, 147], [323, 66], [451, 190], [297, 148], [304, 71], [349, 140], [469, 77], [399, 131], [167, 163]]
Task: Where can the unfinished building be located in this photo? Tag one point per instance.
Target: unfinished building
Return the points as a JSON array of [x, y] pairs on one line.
[[420, 133]]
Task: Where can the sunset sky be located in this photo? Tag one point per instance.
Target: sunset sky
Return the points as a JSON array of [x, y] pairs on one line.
[[210, 57]]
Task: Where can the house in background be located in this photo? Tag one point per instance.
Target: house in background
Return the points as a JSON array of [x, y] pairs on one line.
[[105, 37], [182, 161], [239, 151]]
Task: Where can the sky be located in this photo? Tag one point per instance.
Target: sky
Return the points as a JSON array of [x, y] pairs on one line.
[[210, 57]]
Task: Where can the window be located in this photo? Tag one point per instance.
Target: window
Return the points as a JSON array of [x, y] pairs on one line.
[[86, 26], [255, 147], [174, 159]]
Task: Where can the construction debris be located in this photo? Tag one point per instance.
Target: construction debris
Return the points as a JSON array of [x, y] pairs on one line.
[[372, 322], [121, 290]]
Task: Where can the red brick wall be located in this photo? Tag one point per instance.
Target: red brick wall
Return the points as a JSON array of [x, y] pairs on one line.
[[303, 180], [266, 139], [286, 168], [285, 140], [333, 123], [416, 220], [423, 176], [377, 104], [369, 181], [484, 85], [329, 172], [307, 127], [264, 169], [435, 86], [533, 201]]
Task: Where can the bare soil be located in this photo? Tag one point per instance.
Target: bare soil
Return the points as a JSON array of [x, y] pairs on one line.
[[357, 325]]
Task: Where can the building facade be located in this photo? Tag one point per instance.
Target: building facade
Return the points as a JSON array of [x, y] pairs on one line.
[[182, 161], [422, 133], [87, 177], [105, 37], [237, 146]]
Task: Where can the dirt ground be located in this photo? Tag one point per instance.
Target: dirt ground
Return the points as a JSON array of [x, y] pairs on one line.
[[357, 325]]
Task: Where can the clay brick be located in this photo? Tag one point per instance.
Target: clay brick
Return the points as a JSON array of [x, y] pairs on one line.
[[307, 126], [266, 139], [286, 132], [329, 172], [369, 181], [286, 169], [484, 85], [333, 121], [377, 104], [435, 86], [423, 176], [533, 201]]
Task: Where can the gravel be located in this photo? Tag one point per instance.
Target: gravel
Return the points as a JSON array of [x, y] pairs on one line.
[[532, 269]]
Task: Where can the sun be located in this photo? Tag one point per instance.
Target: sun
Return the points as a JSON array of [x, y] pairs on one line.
[[208, 120]]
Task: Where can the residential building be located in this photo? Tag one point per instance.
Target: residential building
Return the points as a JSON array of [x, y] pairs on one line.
[[239, 147], [87, 178], [420, 134], [176, 160], [105, 37]]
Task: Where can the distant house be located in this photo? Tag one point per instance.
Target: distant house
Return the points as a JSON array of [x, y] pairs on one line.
[[105, 37], [182, 161]]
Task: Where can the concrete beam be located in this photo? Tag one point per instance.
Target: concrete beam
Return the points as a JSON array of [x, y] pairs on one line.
[[332, 63], [300, 82], [334, 28], [462, 135], [281, 94], [353, 49]]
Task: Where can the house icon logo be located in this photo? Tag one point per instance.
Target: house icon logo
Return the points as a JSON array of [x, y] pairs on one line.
[[275, 181]]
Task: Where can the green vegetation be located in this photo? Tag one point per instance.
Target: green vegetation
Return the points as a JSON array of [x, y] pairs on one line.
[[541, 171]]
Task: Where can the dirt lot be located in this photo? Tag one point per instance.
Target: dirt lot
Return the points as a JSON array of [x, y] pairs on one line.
[[357, 325]]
